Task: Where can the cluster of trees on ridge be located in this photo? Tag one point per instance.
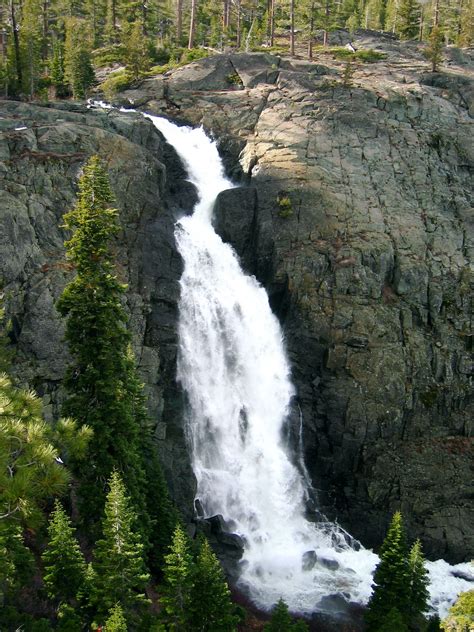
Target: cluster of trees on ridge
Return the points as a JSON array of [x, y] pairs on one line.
[[101, 461], [51, 48]]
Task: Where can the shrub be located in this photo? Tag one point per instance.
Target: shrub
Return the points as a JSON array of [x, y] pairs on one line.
[[116, 82], [367, 56], [284, 205]]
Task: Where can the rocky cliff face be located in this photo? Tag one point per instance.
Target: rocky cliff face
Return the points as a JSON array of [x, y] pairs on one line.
[[356, 214]]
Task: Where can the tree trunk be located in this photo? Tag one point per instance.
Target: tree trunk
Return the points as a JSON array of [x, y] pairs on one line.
[[436, 14], [238, 25], [292, 28], [326, 26], [179, 21], [44, 43], [16, 43], [272, 22], [192, 26], [311, 32]]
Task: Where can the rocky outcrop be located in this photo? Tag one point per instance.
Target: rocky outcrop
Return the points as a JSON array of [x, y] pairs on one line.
[[358, 221]]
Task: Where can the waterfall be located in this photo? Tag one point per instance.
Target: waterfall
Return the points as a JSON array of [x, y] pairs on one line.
[[233, 368]]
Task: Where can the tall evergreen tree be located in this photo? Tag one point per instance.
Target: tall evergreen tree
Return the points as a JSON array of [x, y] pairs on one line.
[[57, 71], [391, 578], [64, 562], [408, 21], [119, 568], [103, 384], [31, 43], [137, 58], [77, 59], [210, 606], [103, 374], [419, 582], [178, 582], [434, 50]]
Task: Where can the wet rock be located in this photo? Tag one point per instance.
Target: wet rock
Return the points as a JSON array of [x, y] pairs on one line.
[[309, 560]]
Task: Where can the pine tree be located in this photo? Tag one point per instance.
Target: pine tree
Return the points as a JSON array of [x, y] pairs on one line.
[[57, 70], [116, 621], [210, 607], [434, 50], [31, 472], [77, 60], [64, 562], [31, 44], [103, 384], [282, 621], [408, 20], [119, 567], [99, 382], [419, 582], [178, 582], [391, 578], [136, 50]]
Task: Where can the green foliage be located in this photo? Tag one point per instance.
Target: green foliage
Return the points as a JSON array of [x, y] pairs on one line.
[[103, 385], [419, 582], [281, 618], [391, 578], [68, 618], [408, 18], [282, 621], [6, 352], [210, 606], [136, 50], [347, 75], [367, 56], [178, 582], [234, 79], [116, 621], [77, 59], [285, 206], [102, 382], [16, 565], [400, 596], [393, 622], [116, 82], [434, 624], [108, 55], [30, 471], [434, 50], [461, 614], [63, 559], [58, 77], [120, 576], [31, 42]]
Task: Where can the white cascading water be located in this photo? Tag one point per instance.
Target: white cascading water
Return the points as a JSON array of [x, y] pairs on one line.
[[233, 367]]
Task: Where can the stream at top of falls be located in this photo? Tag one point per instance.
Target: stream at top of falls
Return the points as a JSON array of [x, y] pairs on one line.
[[234, 370]]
